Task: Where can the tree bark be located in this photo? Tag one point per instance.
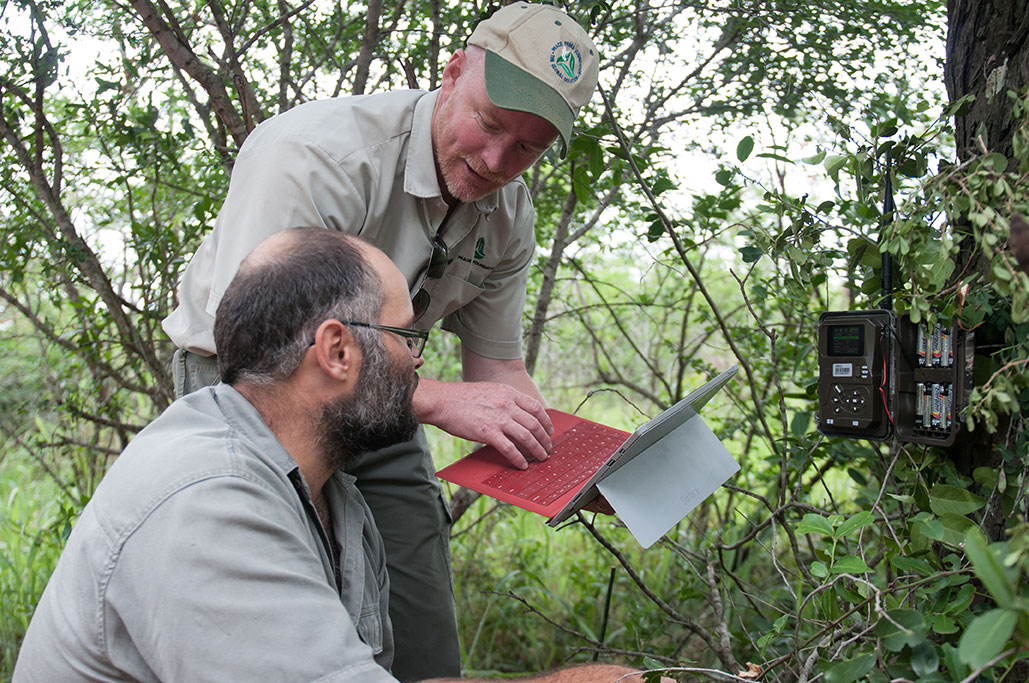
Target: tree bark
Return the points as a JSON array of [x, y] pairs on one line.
[[987, 55]]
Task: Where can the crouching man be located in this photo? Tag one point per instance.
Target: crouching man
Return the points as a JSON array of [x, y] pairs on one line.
[[226, 543]]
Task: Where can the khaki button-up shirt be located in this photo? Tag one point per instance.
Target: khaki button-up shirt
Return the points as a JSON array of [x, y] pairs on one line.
[[364, 165], [201, 558]]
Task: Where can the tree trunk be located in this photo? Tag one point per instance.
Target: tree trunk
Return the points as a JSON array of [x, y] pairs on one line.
[[987, 56]]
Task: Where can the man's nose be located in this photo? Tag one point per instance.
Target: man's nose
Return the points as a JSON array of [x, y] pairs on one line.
[[419, 362], [494, 156]]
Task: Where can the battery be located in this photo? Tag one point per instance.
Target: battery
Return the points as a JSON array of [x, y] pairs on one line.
[[937, 346], [920, 414], [937, 407], [946, 352], [927, 405], [923, 348], [948, 402]]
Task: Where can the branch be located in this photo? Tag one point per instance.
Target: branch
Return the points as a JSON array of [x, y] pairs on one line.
[[182, 56]]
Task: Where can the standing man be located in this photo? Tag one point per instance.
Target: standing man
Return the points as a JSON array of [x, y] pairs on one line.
[[432, 179]]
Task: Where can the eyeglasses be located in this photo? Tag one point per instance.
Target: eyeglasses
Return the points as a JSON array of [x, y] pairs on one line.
[[415, 339], [437, 265]]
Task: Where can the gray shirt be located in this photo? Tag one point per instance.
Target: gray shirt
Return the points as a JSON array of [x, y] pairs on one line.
[[200, 558], [364, 165]]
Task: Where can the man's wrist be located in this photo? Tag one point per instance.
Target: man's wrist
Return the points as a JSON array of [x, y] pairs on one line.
[[426, 399]]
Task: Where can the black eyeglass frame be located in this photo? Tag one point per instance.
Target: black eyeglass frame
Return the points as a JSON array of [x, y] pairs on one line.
[[415, 339]]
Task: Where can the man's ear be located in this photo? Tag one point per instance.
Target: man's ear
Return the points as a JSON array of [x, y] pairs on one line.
[[453, 70], [336, 351]]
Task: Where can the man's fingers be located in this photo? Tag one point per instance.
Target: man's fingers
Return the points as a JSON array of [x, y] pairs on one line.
[[535, 438], [536, 409], [510, 453]]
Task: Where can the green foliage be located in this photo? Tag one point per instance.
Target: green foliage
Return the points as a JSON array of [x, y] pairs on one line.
[[839, 558], [35, 520]]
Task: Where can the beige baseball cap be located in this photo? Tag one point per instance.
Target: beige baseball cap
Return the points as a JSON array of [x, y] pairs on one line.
[[538, 60]]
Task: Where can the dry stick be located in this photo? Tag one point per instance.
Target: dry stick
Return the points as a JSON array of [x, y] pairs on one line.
[[472, 524], [607, 609], [771, 334], [975, 674], [721, 627], [809, 663], [596, 645], [713, 673], [182, 55], [725, 656], [882, 492]]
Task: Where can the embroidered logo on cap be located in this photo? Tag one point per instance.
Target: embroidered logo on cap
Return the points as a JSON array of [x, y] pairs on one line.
[[566, 61]]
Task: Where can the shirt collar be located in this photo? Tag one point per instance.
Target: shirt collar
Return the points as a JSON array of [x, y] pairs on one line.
[[420, 171], [242, 414]]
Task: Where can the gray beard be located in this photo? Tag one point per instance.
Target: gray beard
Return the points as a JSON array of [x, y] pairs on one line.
[[378, 413]]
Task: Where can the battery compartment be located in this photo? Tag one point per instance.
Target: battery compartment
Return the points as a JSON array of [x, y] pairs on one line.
[[931, 381]]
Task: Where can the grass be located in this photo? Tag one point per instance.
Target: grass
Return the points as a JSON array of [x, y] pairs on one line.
[[34, 523]]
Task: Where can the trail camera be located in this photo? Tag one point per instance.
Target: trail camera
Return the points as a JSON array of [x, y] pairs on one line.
[[879, 375]]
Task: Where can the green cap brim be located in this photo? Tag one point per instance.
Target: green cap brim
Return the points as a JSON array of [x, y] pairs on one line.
[[512, 88]]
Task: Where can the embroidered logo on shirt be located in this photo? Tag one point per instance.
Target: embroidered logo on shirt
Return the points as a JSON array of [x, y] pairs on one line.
[[480, 248]]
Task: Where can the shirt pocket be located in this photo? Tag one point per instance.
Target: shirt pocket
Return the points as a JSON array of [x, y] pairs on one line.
[[447, 294]]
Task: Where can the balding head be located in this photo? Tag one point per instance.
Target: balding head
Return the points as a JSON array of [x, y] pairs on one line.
[[285, 288]]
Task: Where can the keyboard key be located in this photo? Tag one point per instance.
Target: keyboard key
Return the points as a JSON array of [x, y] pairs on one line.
[[577, 454]]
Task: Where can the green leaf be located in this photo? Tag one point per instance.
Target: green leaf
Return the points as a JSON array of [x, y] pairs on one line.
[[924, 658], [1001, 272], [997, 161], [744, 148], [954, 529], [930, 528], [944, 625], [750, 254], [581, 183], [855, 523], [848, 670], [833, 164], [911, 564], [816, 159], [989, 568], [944, 499], [723, 177], [819, 569], [900, 627], [850, 564], [103, 86], [814, 524], [777, 157], [986, 637], [662, 185], [799, 423]]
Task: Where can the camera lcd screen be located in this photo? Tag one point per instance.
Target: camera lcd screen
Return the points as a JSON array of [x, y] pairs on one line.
[[845, 340]]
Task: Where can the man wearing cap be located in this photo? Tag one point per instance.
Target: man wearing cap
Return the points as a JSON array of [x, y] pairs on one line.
[[432, 179]]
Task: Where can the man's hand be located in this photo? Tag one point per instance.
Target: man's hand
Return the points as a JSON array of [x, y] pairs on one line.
[[493, 413]]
